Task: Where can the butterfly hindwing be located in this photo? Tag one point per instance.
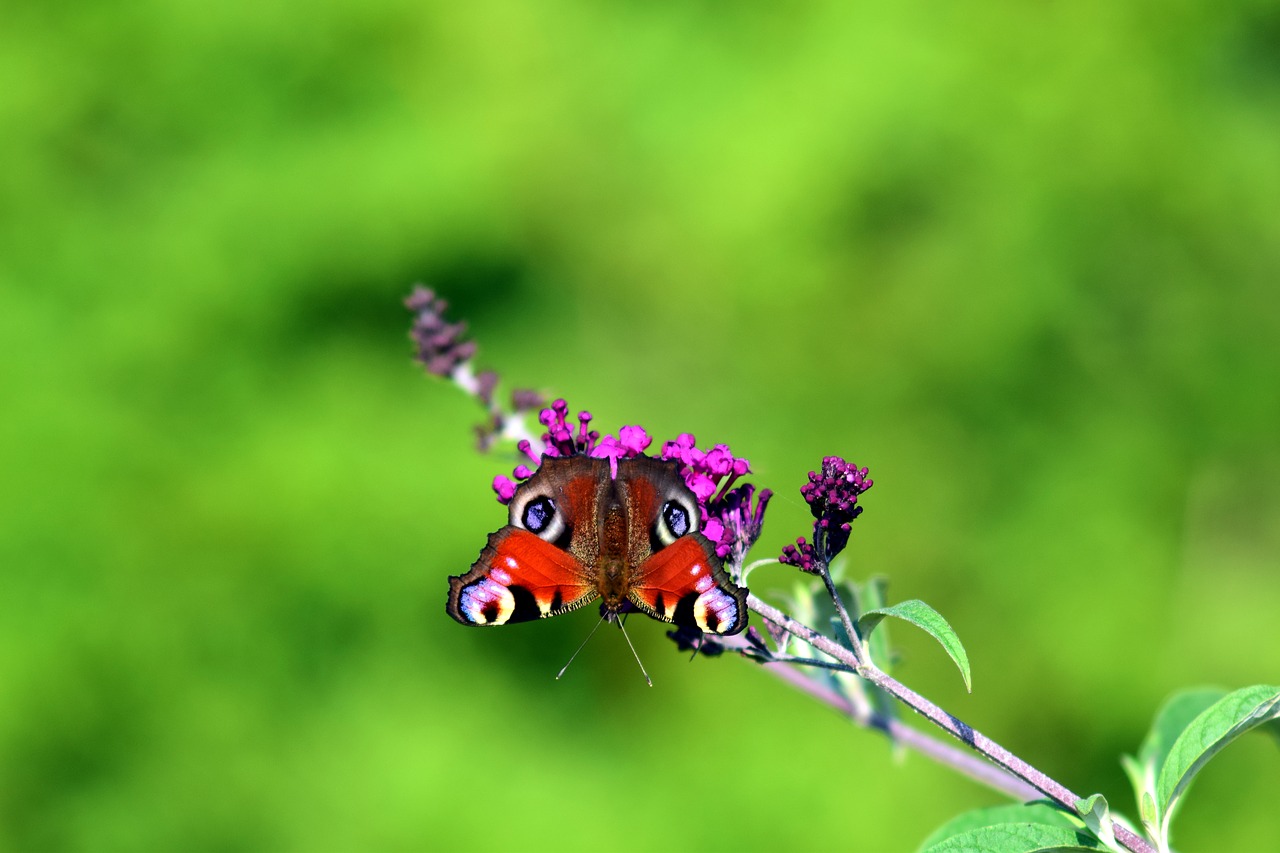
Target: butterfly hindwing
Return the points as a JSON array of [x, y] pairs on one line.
[[684, 583], [518, 577]]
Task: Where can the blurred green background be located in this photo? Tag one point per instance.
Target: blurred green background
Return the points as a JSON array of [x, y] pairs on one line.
[[1019, 259]]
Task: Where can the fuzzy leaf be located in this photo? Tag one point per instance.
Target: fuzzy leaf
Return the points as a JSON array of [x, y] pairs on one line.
[[926, 619], [1206, 735], [1175, 715], [1039, 812]]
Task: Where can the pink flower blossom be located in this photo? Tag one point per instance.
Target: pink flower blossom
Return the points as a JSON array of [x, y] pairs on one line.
[[505, 488]]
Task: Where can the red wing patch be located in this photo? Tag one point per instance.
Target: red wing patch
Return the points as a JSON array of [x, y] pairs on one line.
[[517, 578]]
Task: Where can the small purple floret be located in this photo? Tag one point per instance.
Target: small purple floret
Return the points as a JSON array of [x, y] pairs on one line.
[[524, 400], [703, 487], [609, 448], [683, 449], [634, 439], [505, 488], [486, 382], [801, 556], [741, 513], [527, 449], [719, 461]]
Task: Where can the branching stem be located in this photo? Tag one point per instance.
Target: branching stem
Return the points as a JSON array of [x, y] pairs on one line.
[[952, 725], [982, 772], [798, 661]]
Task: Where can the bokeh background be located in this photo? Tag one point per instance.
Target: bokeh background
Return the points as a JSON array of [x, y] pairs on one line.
[[1021, 260]]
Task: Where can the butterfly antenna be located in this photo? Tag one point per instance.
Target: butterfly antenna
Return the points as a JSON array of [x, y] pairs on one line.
[[580, 648], [633, 651], [701, 638]]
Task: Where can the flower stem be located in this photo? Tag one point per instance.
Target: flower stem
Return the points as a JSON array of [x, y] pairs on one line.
[[967, 735], [970, 765], [854, 638]]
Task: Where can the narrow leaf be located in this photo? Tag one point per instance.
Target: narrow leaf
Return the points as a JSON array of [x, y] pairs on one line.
[[1038, 812], [1138, 779], [926, 619], [1175, 715], [1206, 735]]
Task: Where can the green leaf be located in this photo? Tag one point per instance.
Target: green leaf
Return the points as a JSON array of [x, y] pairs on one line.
[[1207, 734], [1017, 838], [1175, 715], [927, 619], [1039, 812], [1147, 806], [1138, 780]]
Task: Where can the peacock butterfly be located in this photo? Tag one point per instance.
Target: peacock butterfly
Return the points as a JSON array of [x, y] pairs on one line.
[[578, 532]]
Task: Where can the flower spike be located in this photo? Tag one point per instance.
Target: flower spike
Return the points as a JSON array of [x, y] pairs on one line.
[[832, 496], [444, 350]]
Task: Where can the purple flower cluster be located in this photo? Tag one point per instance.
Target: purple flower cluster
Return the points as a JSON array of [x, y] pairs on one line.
[[443, 350], [741, 515], [440, 344], [832, 496], [562, 438], [729, 517], [800, 555]]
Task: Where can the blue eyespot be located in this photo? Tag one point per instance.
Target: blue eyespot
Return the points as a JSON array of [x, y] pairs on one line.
[[538, 514], [676, 518]]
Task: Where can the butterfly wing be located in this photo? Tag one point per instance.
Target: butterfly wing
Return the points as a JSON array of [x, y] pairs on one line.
[[519, 577], [685, 584]]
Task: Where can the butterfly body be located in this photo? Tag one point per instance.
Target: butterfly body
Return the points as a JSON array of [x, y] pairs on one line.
[[577, 534]]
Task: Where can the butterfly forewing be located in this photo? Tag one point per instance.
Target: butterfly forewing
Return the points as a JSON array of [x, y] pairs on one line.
[[518, 577]]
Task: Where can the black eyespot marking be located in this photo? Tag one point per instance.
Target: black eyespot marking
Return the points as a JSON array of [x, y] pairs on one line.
[[684, 611], [525, 605], [676, 518], [538, 514]]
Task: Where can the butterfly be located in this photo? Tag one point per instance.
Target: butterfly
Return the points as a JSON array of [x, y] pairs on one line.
[[577, 533]]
